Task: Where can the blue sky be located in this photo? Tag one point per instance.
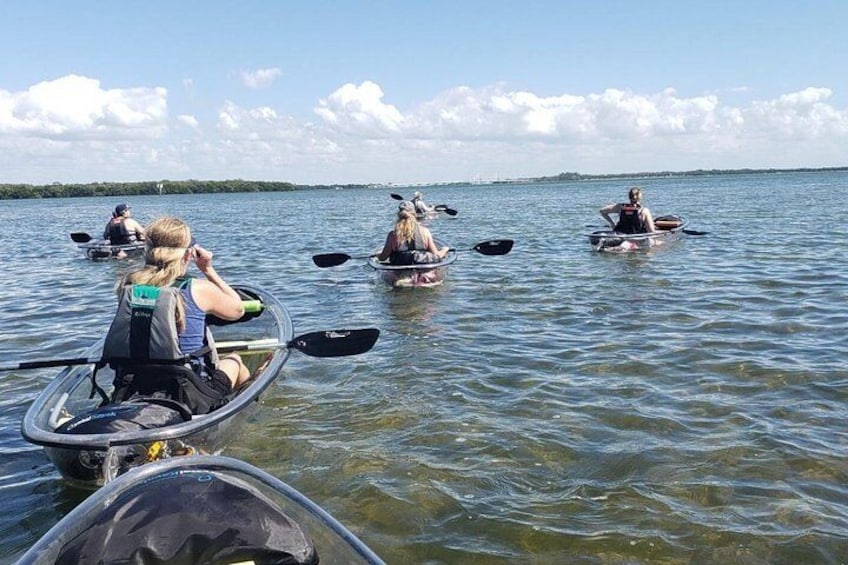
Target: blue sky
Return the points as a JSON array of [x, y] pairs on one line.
[[417, 92]]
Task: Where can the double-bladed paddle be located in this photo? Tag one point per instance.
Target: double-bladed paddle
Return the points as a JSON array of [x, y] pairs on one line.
[[437, 207], [687, 232], [335, 343], [491, 247]]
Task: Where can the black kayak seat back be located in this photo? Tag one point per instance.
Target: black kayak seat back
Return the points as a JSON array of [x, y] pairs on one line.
[[169, 381]]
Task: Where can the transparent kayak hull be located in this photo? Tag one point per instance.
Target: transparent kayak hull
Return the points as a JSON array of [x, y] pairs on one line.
[[421, 275], [102, 250], [198, 509], [90, 460], [669, 229]]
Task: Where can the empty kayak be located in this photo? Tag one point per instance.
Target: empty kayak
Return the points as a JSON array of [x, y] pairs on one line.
[[202, 509]]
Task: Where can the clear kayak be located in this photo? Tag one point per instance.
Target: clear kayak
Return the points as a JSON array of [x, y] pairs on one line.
[[91, 441], [669, 229], [201, 509], [102, 250], [419, 275]]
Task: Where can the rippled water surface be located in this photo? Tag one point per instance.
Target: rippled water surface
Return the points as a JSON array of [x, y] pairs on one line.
[[554, 405]]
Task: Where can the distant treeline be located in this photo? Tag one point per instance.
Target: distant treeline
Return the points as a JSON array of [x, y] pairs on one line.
[[58, 190], [696, 173]]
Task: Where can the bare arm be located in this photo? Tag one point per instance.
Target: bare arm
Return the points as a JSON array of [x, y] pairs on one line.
[[388, 247], [648, 218], [132, 225], [431, 244], [611, 209], [214, 295]]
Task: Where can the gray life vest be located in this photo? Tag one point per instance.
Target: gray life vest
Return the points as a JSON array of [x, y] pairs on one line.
[[144, 329]]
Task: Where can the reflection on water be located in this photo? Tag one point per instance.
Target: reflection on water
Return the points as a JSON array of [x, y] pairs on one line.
[[412, 306]]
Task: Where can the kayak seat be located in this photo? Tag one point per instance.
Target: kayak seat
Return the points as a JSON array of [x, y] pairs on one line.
[[143, 414], [173, 382]]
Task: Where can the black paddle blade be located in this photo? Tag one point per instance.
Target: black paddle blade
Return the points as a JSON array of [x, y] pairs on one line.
[[81, 237], [494, 247], [446, 210], [694, 232], [337, 343], [397, 196], [330, 259]]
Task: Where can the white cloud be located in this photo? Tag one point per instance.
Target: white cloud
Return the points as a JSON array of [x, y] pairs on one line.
[[78, 107], [260, 78], [189, 121], [72, 129], [360, 109]]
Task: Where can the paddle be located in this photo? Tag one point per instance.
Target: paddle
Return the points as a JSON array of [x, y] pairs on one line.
[[81, 237], [445, 209], [491, 247], [687, 232], [334, 259], [437, 207], [334, 343]]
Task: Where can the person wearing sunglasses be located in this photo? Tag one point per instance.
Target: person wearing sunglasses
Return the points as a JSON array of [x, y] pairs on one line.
[[159, 343]]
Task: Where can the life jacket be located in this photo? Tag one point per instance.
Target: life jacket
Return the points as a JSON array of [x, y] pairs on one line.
[[407, 251], [142, 346], [630, 219], [118, 234], [420, 206]]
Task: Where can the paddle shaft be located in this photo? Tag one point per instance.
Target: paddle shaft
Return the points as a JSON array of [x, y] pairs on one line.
[[491, 247], [332, 343], [50, 363]]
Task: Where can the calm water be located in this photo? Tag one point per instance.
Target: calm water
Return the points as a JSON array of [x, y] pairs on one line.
[[550, 406]]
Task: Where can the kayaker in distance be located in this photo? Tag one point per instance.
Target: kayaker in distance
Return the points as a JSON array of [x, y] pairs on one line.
[[421, 207], [632, 216], [173, 308], [410, 243], [122, 229]]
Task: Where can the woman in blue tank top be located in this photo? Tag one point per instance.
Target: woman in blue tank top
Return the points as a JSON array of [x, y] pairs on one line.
[[169, 251]]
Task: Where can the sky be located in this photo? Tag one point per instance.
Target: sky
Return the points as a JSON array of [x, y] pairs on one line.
[[407, 92]]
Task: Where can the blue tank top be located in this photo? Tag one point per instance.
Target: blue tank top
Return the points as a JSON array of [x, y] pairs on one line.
[[191, 338]]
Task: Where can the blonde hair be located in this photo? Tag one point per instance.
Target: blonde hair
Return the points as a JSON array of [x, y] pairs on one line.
[[166, 242], [405, 226]]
